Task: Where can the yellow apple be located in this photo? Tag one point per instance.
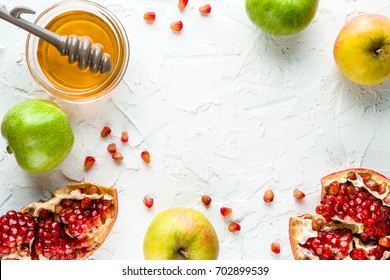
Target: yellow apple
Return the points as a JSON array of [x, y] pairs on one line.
[[181, 234], [362, 49]]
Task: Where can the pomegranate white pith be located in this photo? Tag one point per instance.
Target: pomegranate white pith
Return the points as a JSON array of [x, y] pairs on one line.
[[352, 221], [71, 225]]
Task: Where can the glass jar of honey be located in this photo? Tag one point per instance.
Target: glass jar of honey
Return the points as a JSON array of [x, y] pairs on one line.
[[53, 71]]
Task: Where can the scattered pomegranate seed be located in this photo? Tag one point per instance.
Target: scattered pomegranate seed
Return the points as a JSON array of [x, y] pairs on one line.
[[205, 9], [206, 200], [124, 137], [182, 4], [111, 148], [275, 247], [145, 157], [105, 131], [117, 156], [298, 194], [268, 196], [226, 211], [233, 227], [88, 162], [150, 16], [148, 201], [177, 26]]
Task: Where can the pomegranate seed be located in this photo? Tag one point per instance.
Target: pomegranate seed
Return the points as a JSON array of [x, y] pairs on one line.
[[358, 254], [226, 211], [205, 9], [298, 194], [206, 200], [177, 26], [88, 162], [150, 16], [182, 4], [117, 156], [44, 214], [275, 247], [268, 196], [233, 227], [351, 176], [124, 137], [384, 241], [145, 157], [111, 148], [105, 131], [148, 201], [86, 203]]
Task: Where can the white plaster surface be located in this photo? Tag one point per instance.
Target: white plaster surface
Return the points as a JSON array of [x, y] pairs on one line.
[[224, 109]]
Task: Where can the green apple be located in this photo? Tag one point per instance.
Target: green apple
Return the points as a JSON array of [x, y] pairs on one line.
[[181, 234], [362, 49], [38, 133], [281, 17]]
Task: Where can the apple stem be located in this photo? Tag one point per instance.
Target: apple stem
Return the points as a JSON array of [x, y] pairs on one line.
[[379, 51], [184, 253]]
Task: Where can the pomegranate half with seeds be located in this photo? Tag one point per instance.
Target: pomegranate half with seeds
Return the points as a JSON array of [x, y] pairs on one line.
[[352, 220], [69, 226]]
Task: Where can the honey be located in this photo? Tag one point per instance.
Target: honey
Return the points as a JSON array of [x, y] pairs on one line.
[[56, 67], [53, 71]]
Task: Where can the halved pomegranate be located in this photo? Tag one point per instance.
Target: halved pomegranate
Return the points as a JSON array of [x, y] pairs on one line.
[[352, 221], [71, 225]]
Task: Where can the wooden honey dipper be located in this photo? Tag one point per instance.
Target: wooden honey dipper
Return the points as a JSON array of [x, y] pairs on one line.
[[78, 49]]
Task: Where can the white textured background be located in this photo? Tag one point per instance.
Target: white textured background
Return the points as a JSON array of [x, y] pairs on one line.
[[224, 110]]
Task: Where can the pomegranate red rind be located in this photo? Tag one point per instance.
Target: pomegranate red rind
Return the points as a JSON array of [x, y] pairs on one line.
[[73, 224]]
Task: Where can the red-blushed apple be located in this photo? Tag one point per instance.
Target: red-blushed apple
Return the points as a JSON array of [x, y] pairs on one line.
[[181, 234], [362, 49]]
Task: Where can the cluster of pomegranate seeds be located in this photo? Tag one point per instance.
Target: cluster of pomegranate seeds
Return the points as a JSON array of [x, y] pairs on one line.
[[205, 9], [149, 16], [105, 131], [182, 4], [234, 226], [268, 196], [226, 211], [345, 201], [16, 232], [111, 148], [89, 162], [145, 155], [275, 247], [177, 26], [63, 234], [298, 194], [52, 242], [206, 200], [330, 245], [148, 201]]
